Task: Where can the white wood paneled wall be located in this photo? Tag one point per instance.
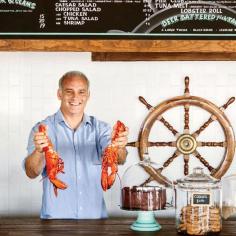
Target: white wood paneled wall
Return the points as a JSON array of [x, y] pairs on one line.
[[28, 85]]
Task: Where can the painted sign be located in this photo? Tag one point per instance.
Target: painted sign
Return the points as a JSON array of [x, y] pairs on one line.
[[117, 19]]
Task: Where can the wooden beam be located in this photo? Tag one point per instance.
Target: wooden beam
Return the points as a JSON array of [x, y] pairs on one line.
[[161, 46], [160, 56]]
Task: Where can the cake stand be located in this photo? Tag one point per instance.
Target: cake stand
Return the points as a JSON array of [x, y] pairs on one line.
[[146, 222], [144, 195]]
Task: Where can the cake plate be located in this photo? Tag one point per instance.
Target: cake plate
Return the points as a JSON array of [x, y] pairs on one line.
[[145, 196], [146, 222]]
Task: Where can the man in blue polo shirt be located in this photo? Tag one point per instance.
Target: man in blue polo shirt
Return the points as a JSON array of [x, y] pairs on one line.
[[79, 140]]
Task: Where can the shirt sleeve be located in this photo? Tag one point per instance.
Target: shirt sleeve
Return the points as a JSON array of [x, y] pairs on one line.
[[30, 146]]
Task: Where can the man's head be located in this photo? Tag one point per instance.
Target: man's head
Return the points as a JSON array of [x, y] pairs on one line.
[[71, 74], [73, 92]]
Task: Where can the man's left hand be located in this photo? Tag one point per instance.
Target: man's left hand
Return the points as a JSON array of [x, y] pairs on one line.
[[122, 138]]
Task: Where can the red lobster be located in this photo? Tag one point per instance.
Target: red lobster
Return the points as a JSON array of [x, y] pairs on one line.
[[109, 160], [54, 164]]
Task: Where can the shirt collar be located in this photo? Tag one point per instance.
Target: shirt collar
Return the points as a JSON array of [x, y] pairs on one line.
[[86, 119], [60, 118]]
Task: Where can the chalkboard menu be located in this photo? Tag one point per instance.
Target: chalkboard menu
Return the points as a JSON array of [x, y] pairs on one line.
[[104, 19]]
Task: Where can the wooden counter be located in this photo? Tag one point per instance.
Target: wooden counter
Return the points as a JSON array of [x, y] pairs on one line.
[[110, 227]]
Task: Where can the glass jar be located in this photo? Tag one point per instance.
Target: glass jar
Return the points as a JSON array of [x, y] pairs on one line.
[[142, 189], [198, 204], [229, 196]]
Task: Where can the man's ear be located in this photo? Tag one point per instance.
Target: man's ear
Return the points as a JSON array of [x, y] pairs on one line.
[[59, 94]]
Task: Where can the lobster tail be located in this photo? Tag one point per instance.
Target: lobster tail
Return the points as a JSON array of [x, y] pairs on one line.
[[42, 128]]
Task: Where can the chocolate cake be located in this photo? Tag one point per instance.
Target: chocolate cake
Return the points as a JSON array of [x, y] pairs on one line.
[[143, 198]]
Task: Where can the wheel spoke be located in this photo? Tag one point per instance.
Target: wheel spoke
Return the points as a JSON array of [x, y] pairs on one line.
[[133, 144], [148, 180], [168, 125], [186, 118], [186, 166], [186, 90], [154, 175], [204, 126], [143, 101], [152, 144], [213, 118], [211, 144], [162, 144], [186, 106], [230, 101], [203, 161], [167, 162], [160, 118]]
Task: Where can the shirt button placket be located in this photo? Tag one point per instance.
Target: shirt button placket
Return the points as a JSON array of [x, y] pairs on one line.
[[78, 177]]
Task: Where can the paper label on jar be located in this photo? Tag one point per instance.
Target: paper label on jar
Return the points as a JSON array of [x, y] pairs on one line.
[[203, 198]]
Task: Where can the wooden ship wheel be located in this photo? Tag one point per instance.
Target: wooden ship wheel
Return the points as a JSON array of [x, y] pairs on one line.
[[186, 143]]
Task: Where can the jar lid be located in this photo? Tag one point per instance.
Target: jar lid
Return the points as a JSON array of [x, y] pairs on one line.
[[198, 179]]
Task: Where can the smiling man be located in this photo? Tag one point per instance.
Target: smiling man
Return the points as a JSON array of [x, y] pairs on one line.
[[79, 140]]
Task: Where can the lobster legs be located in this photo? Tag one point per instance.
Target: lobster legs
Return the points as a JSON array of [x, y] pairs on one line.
[[110, 160]]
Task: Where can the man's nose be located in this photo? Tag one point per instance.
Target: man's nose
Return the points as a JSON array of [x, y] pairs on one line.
[[76, 95]]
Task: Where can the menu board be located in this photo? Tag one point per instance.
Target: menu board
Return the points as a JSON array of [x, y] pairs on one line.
[[123, 19]]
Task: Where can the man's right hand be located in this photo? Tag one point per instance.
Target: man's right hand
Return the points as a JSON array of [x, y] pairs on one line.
[[40, 141], [35, 162]]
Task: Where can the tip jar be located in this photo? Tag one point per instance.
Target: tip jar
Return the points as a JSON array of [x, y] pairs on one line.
[[198, 204]]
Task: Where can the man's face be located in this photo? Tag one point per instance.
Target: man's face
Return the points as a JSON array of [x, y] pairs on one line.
[[73, 95]]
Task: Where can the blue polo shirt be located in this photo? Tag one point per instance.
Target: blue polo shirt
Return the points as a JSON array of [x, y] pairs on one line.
[[81, 151]]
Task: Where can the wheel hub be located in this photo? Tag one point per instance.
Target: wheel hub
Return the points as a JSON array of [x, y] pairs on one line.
[[186, 144]]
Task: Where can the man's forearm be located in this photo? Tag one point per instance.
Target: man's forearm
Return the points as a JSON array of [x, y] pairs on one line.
[[34, 164], [122, 154]]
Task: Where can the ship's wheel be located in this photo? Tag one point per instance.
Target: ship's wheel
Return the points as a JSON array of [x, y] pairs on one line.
[[187, 143]]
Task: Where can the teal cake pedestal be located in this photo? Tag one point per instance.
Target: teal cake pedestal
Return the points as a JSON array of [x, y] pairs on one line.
[[146, 222]]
